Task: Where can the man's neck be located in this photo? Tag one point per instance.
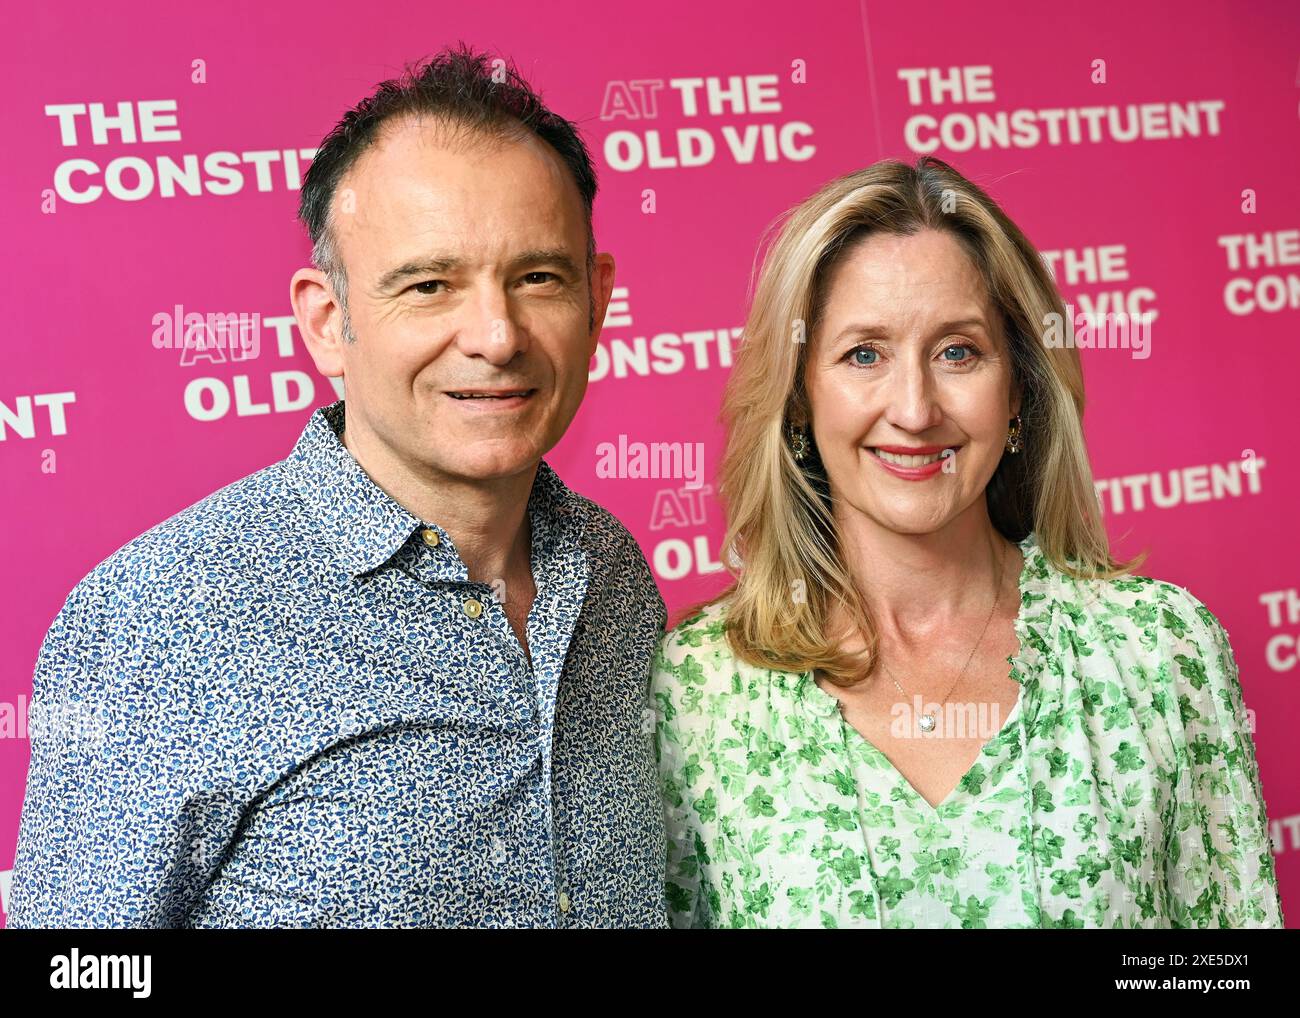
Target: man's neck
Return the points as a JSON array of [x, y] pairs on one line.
[[488, 522]]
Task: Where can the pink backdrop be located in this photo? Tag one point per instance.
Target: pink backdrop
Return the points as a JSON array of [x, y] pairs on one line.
[[1193, 215]]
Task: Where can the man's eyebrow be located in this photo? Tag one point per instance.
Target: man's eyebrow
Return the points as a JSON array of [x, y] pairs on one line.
[[556, 256], [438, 266], [418, 267]]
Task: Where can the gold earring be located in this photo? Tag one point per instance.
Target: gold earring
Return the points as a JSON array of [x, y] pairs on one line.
[[1014, 441], [798, 443]]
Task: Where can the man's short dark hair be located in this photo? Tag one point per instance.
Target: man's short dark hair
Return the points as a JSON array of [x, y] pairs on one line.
[[463, 87]]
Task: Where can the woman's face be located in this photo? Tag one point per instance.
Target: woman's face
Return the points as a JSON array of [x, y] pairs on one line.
[[909, 355]]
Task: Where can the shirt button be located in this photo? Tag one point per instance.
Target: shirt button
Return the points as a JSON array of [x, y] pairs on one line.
[[564, 902], [472, 607], [431, 538]]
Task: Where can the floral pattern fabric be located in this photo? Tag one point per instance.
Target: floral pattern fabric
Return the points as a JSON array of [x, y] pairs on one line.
[[1122, 790], [299, 711]]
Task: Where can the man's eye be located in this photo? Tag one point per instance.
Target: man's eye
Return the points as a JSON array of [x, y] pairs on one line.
[[426, 287], [538, 278]]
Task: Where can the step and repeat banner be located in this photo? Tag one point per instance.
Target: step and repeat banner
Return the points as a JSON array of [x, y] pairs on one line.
[[1150, 151]]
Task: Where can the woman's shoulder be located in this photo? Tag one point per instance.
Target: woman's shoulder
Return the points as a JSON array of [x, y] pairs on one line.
[[695, 654], [1150, 619], [704, 626], [693, 675], [1130, 599]]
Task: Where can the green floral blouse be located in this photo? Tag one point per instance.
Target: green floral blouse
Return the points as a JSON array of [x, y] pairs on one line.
[[1122, 791]]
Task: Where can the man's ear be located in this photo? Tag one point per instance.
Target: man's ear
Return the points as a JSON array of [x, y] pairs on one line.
[[602, 286], [320, 319]]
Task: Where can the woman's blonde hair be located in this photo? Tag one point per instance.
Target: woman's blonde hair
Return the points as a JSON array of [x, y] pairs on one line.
[[781, 546]]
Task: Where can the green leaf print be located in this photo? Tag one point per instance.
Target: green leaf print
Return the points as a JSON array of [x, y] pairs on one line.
[[759, 803], [762, 754], [973, 914], [1047, 846], [801, 900], [863, 904], [1203, 751], [999, 876], [1193, 669], [666, 709], [690, 671], [791, 839], [892, 886], [843, 781], [1142, 614], [1066, 882], [1091, 866], [691, 770], [679, 899], [701, 851], [1058, 762], [973, 780], [1127, 757], [759, 900], [1174, 623], [706, 807], [838, 819], [847, 866]]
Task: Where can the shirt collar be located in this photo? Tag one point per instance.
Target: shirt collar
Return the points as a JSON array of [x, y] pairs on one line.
[[368, 527]]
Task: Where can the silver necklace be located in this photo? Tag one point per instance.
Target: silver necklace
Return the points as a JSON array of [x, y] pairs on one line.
[[926, 722]]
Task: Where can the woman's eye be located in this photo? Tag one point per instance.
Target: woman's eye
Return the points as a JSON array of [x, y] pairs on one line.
[[860, 353], [970, 351]]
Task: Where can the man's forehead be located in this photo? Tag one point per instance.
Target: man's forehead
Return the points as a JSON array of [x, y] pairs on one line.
[[422, 148], [421, 165], [413, 183]]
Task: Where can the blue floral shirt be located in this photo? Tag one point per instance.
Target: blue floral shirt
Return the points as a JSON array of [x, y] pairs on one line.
[[287, 705]]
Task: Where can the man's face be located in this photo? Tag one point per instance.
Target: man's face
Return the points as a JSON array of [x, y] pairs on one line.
[[469, 297]]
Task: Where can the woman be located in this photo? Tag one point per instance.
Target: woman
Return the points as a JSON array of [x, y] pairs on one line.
[[911, 511]]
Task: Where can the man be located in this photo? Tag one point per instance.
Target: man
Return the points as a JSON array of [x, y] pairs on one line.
[[398, 679]]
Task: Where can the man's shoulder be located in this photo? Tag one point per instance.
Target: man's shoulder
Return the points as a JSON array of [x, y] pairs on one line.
[[599, 524], [608, 538], [205, 544]]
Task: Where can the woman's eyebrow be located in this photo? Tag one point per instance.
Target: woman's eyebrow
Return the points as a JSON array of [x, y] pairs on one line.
[[870, 330]]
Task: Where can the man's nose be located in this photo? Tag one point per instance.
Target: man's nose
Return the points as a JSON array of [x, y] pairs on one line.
[[489, 329]]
